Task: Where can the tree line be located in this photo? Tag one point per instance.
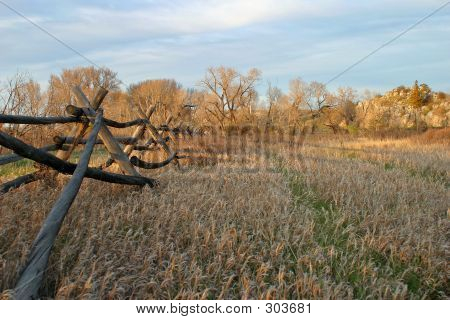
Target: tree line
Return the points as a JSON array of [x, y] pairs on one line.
[[225, 99]]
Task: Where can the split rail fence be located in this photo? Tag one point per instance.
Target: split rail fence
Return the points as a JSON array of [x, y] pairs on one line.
[[87, 118]]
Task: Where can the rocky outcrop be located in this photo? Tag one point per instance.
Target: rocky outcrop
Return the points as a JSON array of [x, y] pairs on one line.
[[392, 110]]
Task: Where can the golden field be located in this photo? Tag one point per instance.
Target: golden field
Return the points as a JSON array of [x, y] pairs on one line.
[[316, 217]]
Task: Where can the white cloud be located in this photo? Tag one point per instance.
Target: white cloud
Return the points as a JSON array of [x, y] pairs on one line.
[[187, 17], [157, 19], [180, 38]]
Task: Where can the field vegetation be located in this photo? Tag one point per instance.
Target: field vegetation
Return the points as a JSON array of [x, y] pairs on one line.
[[297, 194], [250, 216]]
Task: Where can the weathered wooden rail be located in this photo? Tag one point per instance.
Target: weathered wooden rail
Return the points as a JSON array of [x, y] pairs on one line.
[[87, 118], [31, 278]]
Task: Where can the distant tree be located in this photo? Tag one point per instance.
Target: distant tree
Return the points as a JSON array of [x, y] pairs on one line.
[[21, 95], [316, 95], [317, 99], [59, 92], [346, 104], [297, 93], [415, 100], [425, 93], [274, 95], [332, 118], [298, 90], [307, 103], [166, 94], [229, 91], [119, 108]]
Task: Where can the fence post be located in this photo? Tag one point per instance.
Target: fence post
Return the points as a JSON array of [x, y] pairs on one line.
[[108, 139], [31, 278]]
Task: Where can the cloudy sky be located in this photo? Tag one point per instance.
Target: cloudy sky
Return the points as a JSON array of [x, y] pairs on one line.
[[286, 39]]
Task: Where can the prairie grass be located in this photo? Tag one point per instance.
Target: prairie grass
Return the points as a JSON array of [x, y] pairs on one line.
[[25, 166], [18, 168], [306, 218]]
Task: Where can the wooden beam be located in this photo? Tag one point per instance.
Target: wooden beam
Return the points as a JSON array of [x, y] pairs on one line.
[[69, 140], [79, 130], [121, 125], [31, 278], [10, 158], [152, 165], [4, 118], [139, 131], [145, 148], [137, 135], [110, 143], [155, 134], [30, 152], [19, 181], [75, 111]]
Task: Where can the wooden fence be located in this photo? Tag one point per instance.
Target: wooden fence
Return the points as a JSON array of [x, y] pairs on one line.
[[87, 117]]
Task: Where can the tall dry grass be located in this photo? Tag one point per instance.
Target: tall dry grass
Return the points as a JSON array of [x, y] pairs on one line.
[[250, 218]]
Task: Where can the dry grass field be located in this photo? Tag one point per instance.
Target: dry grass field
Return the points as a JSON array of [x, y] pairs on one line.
[[334, 217]]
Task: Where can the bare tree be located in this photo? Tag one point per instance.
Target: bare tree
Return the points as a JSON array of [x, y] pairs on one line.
[[297, 92], [338, 109], [21, 95], [346, 103], [274, 95], [332, 119], [313, 97], [297, 95], [166, 94], [88, 78], [316, 96], [229, 91]]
